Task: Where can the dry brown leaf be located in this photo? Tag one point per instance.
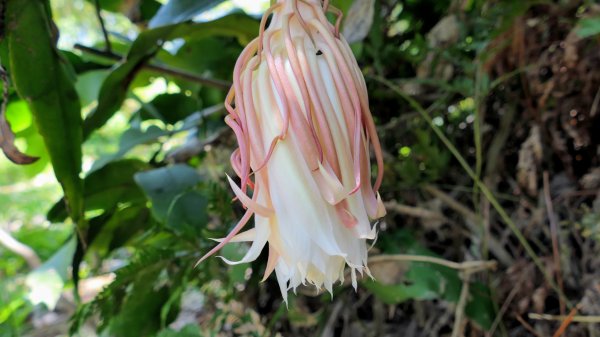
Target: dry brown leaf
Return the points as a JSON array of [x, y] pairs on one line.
[[591, 180], [388, 272], [530, 155]]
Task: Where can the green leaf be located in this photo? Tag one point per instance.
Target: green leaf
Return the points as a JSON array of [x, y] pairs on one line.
[[171, 108], [140, 312], [114, 91], [80, 65], [176, 11], [40, 77], [19, 116], [148, 43], [588, 27], [89, 84], [215, 56], [47, 281], [107, 187], [480, 307], [129, 140], [164, 185], [141, 10], [122, 227], [426, 281], [187, 213], [190, 330]]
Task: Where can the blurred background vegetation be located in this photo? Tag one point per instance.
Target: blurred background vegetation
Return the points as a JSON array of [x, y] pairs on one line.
[[488, 115]]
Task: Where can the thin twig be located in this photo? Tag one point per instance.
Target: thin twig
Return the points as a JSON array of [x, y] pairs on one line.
[[471, 266], [219, 84], [412, 211], [452, 203], [484, 189], [505, 305], [329, 328], [575, 319], [527, 326], [554, 236], [565, 324], [494, 245], [20, 249], [459, 312], [595, 104], [107, 47]]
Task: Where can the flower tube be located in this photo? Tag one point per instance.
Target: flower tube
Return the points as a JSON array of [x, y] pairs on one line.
[[300, 112]]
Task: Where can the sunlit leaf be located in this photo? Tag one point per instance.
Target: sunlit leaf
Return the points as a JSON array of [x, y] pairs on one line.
[[46, 282], [107, 187], [176, 11], [44, 83], [588, 27]]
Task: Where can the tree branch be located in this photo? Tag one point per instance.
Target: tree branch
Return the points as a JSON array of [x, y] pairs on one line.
[[470, 266], [20, 249], [107, 46], [215, 83]]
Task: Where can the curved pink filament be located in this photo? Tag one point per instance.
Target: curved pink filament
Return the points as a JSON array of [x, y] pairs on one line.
[[261, 30], [338, 21], [244, 167], [272, 70], [367, 116], [238, 227], [349, 109], [240, 65], [298, 16], [298, 122], [248, 202], [348, 80], [299, 79], [254, 127], [323, 129]]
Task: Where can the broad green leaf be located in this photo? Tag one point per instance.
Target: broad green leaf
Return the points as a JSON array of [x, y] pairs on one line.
[[129, 140], [45, 241], [426, 281], [148, 43], [214, 56], [187, 213], [88, 85], [140, 10], [176, 11], [588, 27], [122, 227], [170, 108], [164, 185], [236, 273], [7, 309], [35, 146], [114, 91], [106, 188], [480, 307], [191, 330], [81, 65], [343, 5], [40, 77], [46, 282], [18, 115], [240, 26]]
